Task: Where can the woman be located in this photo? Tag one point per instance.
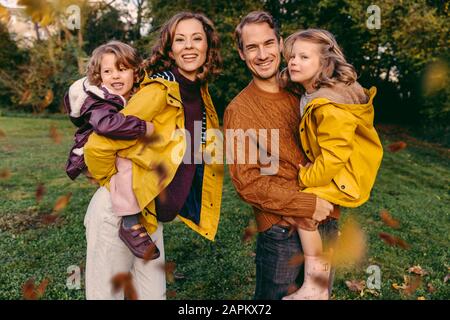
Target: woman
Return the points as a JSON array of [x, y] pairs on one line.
[[170, 177]]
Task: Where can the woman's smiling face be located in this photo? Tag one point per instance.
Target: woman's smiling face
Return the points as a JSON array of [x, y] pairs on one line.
[[189, 47]]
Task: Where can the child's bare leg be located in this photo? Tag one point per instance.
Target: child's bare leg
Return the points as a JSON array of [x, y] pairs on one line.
[[317, 269]]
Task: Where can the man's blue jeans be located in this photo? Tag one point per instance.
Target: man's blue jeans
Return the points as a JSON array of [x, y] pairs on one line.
[[274, 249]]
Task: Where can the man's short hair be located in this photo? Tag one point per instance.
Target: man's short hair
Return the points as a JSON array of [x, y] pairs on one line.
[[255, 17]]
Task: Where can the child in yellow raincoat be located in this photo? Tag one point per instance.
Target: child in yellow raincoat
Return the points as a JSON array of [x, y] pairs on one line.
[[337, 135]]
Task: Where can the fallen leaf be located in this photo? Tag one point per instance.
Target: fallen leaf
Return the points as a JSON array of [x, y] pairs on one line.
[[421, 298], [40, 191], [431, 288], [418, 270], [124, 282], [148, 254], [350, 247], [28, 292], [171, 294], [148, 141], [49, 218], [388, 220], [169, 269], [4, 14], [26, 95], [397, 146], [62, 202], [393, 241], [249, 231], [40, 290], [355, 285], [413, 284], [296, 260], [410, 284], [48, 99], [2, 134], [31, 292], [54, 134], [5, 174]]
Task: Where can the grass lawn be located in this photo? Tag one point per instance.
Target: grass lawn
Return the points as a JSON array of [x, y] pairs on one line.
[[413, 185]]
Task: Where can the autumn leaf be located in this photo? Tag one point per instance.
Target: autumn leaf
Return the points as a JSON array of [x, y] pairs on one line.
[[148, 254], [2, 134], [409, 285], [40, 290], [28, 291], [40, 11], [62, 202], [249, 231], [169, 269], [4, 14], [49, 218], [26, 96], [388, 220], [5, 174], [148, 141], [40, 191], [171, 294], [397, 146], [296, 260], [124, 282], [421, 298], [54, 134], [393, 241], [431, 288], [48, 99], [31, 292], [350, 246], [418, 270], [355, 285], [413, 285]]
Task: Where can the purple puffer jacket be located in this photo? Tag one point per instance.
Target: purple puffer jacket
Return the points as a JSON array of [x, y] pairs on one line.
[[91, 109]]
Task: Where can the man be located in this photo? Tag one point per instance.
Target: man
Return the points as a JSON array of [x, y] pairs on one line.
[[275, 197]]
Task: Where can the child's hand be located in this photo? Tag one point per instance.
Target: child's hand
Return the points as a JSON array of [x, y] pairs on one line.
[[307, 165], [149, 129]]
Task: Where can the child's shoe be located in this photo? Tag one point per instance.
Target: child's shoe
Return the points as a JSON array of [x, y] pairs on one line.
[[138, 241]]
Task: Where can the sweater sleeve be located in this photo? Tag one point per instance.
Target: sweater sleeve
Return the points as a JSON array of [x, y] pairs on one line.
[[264, 192]]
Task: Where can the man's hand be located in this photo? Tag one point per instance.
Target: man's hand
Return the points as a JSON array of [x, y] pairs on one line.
[[323, 209]]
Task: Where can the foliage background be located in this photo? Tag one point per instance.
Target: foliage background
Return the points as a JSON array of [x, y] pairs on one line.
[[407, 59]]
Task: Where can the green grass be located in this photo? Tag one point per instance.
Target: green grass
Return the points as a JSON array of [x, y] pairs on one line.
[[412, 185]]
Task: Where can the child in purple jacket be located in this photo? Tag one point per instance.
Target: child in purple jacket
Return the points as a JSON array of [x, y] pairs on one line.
[[93, 104]]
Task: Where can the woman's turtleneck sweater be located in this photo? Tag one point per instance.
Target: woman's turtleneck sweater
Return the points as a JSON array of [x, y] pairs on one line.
[[176, 193]]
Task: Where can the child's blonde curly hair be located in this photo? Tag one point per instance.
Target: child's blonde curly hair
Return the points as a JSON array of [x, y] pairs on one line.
[[333, 65], [125, 54]]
